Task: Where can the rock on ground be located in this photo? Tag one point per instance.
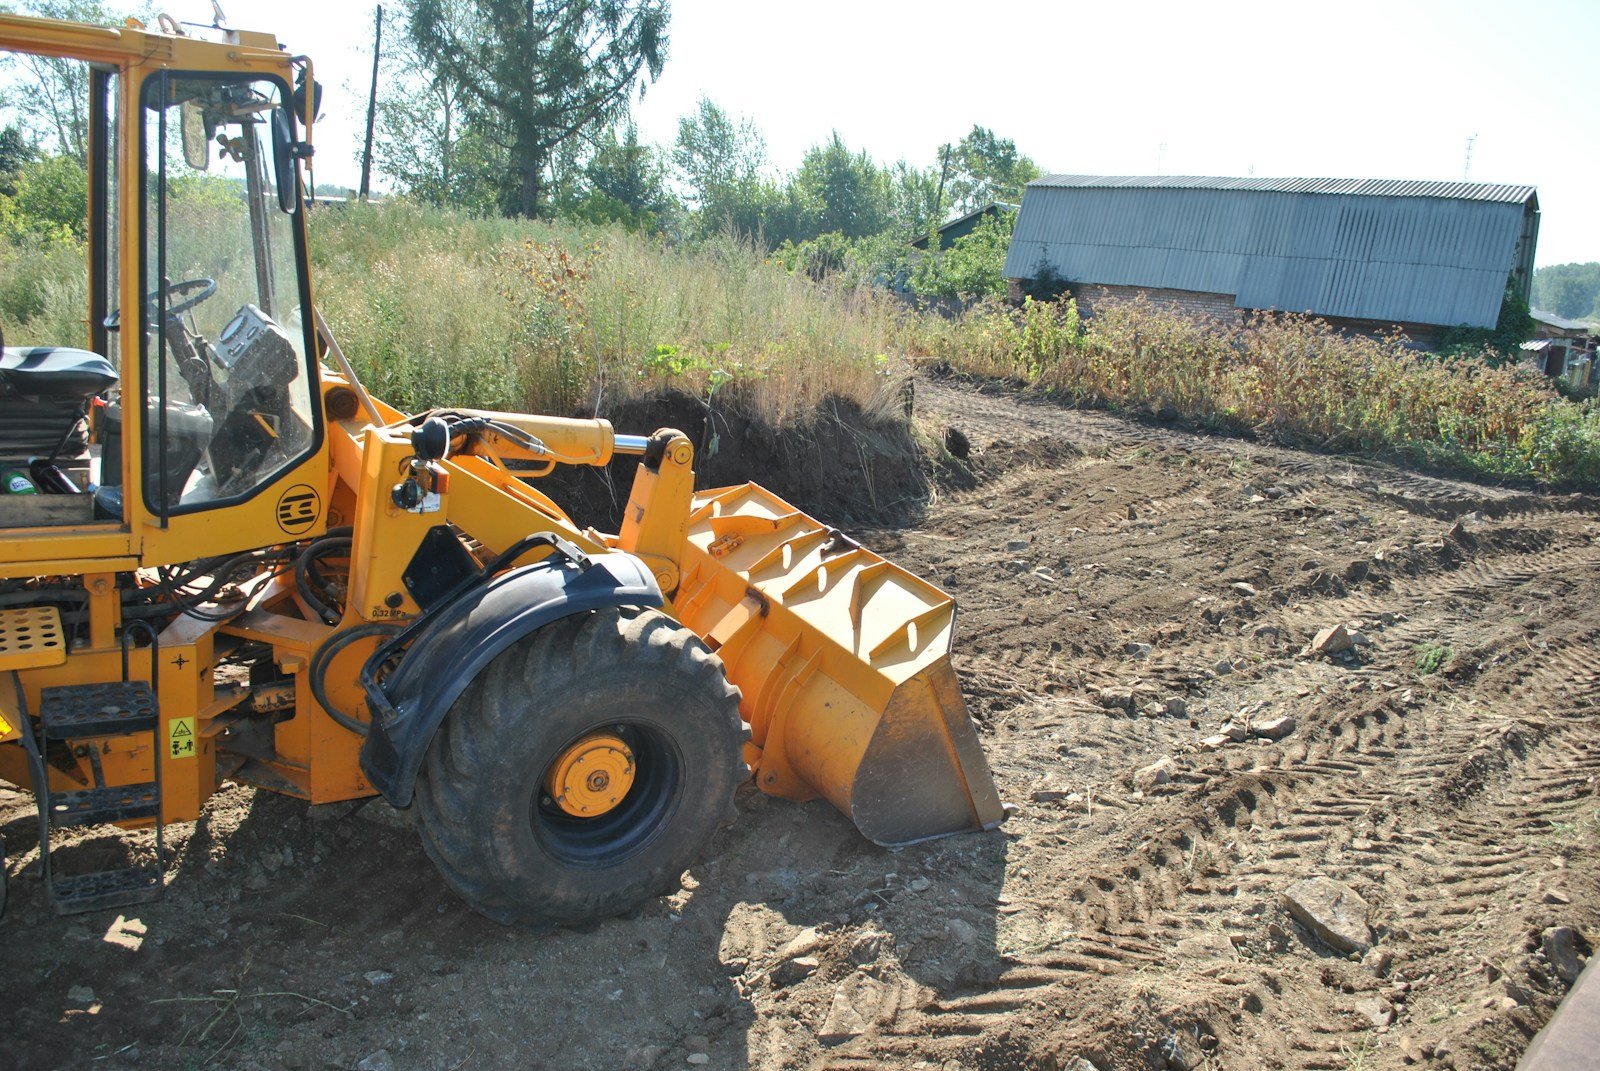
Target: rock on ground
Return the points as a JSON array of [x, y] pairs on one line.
[[855, 1006], [1561, 949], [1334, 912], [1274, 728], [1335, 639], [1157, 773]]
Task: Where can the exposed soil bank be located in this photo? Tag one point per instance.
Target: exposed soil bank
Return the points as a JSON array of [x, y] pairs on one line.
[[845, 464]]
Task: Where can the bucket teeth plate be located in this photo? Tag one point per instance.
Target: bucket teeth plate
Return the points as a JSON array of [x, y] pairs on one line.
[[843, 662]]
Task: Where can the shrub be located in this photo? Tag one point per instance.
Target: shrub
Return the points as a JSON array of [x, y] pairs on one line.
[[1291, 378]]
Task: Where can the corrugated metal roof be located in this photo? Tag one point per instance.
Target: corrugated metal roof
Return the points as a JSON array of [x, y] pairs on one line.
[[1414, 257], [1461, 191], [1561, 322]]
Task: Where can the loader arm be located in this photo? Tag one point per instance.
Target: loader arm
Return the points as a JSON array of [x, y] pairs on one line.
[[842, 658]]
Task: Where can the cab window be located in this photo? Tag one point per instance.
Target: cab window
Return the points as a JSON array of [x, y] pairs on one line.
[[227, 382]]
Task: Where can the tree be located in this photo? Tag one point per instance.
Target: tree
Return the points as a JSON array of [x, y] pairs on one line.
[[982, 168], [538, 72], [50, 202], [1568, 290], [428, 143], [850, 194], [15, 153], [914, 199], [720, 163], [51, 95], [626, 182]]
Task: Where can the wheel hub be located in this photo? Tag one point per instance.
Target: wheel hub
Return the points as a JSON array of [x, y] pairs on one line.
[[591, 776]]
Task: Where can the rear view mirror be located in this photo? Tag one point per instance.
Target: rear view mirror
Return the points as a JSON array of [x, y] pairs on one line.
[[283, 157], [196, 138]]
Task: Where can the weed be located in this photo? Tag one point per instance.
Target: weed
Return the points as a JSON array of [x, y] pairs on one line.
[[1431, 657]]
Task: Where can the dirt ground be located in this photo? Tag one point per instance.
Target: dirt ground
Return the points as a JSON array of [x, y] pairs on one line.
[[1126, 590]]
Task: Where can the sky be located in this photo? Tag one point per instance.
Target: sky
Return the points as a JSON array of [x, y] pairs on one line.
[[1359, 89]]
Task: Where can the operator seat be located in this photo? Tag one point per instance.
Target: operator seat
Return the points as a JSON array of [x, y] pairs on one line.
[[44, 394]]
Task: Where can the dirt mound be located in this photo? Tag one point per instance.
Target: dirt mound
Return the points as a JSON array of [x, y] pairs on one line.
[[1140, 608], [846, 464]]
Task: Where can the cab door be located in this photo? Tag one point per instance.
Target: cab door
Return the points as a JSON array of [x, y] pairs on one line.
[[222, 425]]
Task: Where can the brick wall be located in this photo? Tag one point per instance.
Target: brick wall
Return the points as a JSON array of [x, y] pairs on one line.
[[1219, 308], [1193, 303]]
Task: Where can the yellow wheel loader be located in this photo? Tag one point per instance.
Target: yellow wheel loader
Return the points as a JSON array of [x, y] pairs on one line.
[[248, 569]]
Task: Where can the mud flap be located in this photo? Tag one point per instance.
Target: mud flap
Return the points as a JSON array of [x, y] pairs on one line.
[[843, 660]]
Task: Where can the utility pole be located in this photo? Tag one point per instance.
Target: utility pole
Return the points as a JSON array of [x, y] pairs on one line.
[[372, 109], [1466, 165]]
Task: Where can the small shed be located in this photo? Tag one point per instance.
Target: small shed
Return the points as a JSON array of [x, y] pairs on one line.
[[1563, 348], [962, 226]]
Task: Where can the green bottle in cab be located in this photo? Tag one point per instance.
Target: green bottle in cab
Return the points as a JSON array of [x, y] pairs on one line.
[[17, 483]]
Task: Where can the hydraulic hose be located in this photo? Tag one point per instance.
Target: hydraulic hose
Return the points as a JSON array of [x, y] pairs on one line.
[[306, 578], [323, 658]]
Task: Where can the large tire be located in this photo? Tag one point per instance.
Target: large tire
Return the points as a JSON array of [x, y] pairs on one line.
[[489, 825]]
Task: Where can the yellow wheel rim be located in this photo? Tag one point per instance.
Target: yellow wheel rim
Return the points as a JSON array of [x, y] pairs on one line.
[[591, 776]]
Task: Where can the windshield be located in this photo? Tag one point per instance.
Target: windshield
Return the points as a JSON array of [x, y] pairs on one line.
[[226, 379]]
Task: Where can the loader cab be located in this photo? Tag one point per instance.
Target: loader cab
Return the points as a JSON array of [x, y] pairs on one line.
[[208, 425], [225, 371]]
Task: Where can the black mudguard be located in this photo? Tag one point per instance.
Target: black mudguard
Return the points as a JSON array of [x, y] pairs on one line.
[[460, 637]]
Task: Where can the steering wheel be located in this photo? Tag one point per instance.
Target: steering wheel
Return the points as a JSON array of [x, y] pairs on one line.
[[189, 293]]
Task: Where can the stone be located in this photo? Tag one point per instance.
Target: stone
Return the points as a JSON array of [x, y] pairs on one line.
[[868, 946], [803, 943], [377, 1061], [381, 812], [1212, 743], [1335, 639], [698, 1059], [1274, 728], [1048, 795], [1359, 639], [330, 812], [1014, 545], [1335, 913], [1555, 896], [1234, 731], [920, 885], [1138, 650], [1247, 590], [81, 994], [963, 932], [1223, 668], [1081, 1063], [378, 977], [795, 970], [855, 1006], [1157, 773], [1375, 1010], [1207, 946], [1116, 698], [1177, 706], [1182, 1052], [1560, 945]]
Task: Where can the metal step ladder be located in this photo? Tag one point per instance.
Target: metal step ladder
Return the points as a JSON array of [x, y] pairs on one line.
[[73, 712]]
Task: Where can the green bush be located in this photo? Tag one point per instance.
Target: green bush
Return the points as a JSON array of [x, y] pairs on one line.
[[51, 202]]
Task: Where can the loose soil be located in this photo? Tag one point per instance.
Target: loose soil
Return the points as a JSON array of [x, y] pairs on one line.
[[1446, 771]]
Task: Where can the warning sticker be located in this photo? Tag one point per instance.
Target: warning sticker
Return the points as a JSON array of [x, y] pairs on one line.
[[180, 738]]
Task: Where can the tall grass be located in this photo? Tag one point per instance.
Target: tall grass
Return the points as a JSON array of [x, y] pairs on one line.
[[1291, 378], [438, 307], [443, 308]]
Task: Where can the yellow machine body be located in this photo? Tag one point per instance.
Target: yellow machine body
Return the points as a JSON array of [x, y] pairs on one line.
[[842, 659]]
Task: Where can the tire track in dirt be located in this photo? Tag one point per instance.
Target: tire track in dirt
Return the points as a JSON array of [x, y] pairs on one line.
[[1399, 766]]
